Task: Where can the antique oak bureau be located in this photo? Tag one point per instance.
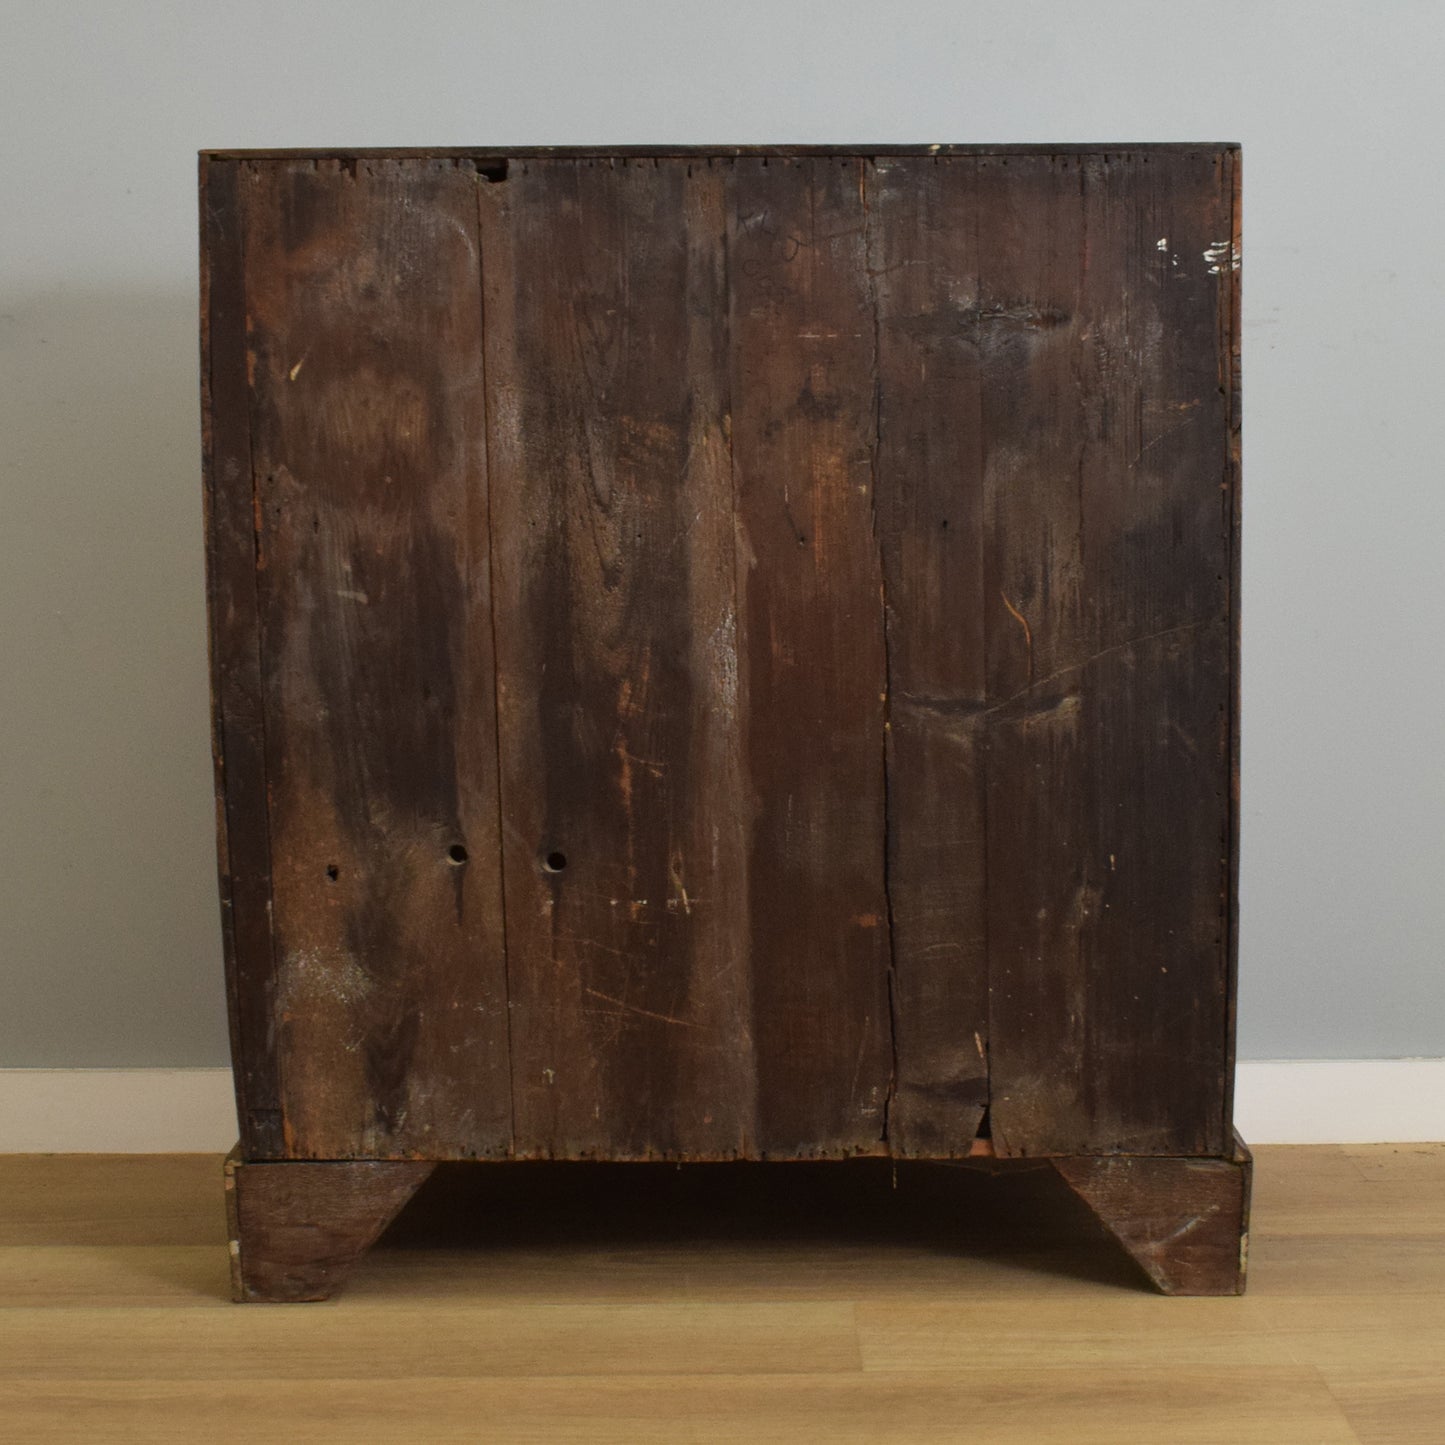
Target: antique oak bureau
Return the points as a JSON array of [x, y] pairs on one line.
[[721, 654]]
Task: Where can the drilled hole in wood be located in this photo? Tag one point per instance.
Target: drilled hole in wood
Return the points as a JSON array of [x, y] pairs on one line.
[[457, 853], [555, 862], [332, 872]]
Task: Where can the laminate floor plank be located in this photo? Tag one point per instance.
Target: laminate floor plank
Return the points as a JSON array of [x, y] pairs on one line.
[[1090, 1406]]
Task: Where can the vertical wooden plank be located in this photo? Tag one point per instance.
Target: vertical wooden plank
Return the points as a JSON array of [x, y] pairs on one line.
[[237, 730], [1108, 656], [922, 256], [804, 433], [627, 897], [1042, 882], [364, 302]]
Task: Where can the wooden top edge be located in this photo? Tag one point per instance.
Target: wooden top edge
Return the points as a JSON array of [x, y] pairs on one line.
[[643, 152]]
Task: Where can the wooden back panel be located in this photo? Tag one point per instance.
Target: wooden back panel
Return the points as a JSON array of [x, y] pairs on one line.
[[725, 654]]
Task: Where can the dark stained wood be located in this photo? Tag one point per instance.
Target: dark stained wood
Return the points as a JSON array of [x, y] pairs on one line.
[[1109, 680], [1185, 1222], [811, 630], [388, 997], [298, 1227], [625, 812], [729, 653], [237, 721], [931, 525]]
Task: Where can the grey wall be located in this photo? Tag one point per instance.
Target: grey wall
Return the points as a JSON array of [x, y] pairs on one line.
[[109, 943]]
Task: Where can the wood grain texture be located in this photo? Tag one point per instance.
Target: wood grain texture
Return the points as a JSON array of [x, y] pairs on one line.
[[804, 394], [1108, 642], [1185, 1222], [624, 807], [922, 258], [1078, 1405], [727, 654], [298, 1227], [388, 1000]]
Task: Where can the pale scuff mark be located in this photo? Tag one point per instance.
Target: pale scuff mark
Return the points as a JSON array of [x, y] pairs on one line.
[[653, 766], [1163, 436], [633, 1008], [722, 651], [674, 873], [624, 777], [296, 370], [626, 707], [309, 974], [1193, 1222], [1131, 642]]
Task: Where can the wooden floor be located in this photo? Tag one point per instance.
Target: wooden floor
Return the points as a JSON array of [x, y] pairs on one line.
[[752, 1303]]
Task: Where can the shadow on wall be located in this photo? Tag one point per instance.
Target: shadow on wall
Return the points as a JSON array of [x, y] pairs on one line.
[[108, 918]]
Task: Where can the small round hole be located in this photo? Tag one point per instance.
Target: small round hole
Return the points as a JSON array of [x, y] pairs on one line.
[[457, 853], [555, 862], [332, 872]]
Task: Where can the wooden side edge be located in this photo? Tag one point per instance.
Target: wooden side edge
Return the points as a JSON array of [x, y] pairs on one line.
[[1231, 481], [238, 741]]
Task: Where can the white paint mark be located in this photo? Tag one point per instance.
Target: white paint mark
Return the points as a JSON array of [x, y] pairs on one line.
[[1221, 257], [1162, 244]]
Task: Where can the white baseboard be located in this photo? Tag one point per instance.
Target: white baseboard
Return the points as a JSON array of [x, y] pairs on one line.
[[1340, 1101], [159, 1111], [116, 1111]]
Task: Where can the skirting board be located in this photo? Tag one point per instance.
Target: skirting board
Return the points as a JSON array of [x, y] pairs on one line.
[[163, 1111]]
